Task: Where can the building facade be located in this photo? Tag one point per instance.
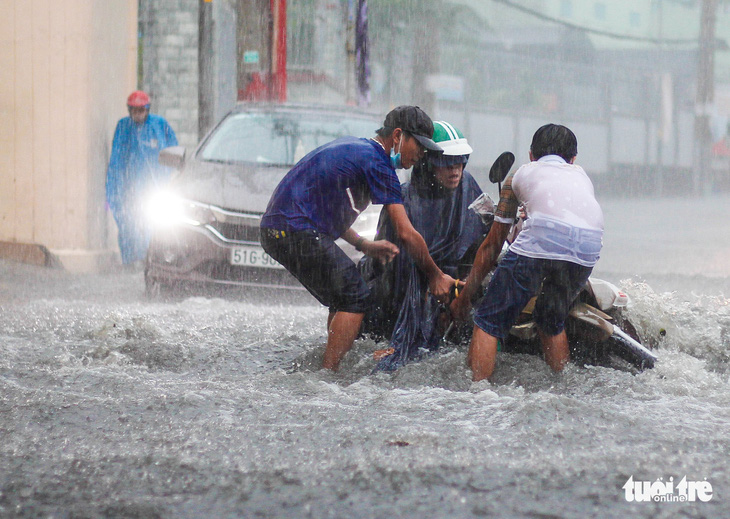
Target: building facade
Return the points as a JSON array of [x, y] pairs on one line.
[[67, 70]]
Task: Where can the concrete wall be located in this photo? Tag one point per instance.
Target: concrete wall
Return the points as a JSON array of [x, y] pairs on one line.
[[169, 30], [603, 147], [67, 69]]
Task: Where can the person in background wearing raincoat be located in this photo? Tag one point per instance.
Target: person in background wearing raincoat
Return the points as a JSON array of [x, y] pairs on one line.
[[437, 201], [319, 200], [134, 171], [551, 257]]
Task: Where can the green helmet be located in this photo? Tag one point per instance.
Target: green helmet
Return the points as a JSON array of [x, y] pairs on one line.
[[450, 139]]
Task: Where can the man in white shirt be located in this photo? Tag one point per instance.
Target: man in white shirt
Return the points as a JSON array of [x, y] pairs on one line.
[[552, 257]]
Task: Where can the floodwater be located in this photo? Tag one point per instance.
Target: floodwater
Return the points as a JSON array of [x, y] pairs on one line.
[[115, 406]]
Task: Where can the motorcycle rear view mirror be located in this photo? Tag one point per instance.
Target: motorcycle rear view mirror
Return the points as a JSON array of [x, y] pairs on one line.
[[500, 169]]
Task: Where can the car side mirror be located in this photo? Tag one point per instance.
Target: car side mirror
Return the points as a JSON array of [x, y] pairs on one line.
[[500, 169], [174, 157]]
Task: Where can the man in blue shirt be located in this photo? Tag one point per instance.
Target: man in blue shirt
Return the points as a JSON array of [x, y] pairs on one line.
[[319, 200], [134, 171]]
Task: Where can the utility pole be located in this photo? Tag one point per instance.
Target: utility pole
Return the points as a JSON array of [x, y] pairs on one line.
[[426, 55], [205, 67], [704, 100], [278, 53], [350, 73]]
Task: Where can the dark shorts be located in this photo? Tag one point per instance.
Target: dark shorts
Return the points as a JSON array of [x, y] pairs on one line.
[[321, 266], [516, 280]]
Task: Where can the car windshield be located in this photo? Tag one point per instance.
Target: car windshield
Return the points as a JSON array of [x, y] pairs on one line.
[[280, 138]]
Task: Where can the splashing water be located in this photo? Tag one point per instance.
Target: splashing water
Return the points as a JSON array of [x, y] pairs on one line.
[[115, 406]]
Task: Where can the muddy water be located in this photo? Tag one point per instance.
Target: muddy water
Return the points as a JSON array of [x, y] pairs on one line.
[[115, 406]]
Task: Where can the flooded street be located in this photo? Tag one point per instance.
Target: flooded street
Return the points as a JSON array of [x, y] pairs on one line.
[[215, 124], [112, 405]]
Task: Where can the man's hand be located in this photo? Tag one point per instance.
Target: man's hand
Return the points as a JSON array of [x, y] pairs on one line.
[[485, 260], [382, 250], [460, 308], [441, 286]]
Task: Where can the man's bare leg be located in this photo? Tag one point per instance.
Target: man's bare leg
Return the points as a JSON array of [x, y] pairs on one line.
[[556, 350], [342, 329], [482, 354]]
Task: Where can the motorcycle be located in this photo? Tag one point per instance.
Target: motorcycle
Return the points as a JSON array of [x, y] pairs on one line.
[[598, 331], [597, 328]]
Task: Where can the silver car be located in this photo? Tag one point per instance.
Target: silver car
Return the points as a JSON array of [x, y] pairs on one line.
[[206, 222]]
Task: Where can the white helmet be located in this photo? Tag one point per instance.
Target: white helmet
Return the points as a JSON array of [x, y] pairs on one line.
[[450, 139]]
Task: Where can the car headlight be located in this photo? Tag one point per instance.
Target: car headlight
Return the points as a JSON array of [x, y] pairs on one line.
[[165, 209], [366, 224]]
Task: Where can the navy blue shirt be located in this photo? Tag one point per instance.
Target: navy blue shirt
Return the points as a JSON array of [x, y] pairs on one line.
[[331, 185]]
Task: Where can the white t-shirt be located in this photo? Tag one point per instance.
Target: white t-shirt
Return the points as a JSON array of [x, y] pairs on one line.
[[564, 220]]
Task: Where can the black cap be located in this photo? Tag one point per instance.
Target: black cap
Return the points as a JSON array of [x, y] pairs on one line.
[[414, 121]]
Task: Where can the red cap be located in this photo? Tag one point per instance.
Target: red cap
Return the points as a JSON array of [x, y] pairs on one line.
[[138, 98]]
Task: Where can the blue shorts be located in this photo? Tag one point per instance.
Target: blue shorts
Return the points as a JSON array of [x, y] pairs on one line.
[[321, 266], [519, 278]]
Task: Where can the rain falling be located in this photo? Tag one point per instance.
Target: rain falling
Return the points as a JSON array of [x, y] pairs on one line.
[[178, 371]]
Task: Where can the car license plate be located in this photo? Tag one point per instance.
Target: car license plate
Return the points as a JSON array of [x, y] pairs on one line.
[[253, 256]]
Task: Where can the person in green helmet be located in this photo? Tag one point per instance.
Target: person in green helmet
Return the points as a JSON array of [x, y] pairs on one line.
[[437, 200]]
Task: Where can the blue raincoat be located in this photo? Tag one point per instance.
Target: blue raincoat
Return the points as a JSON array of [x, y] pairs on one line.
[[401, 310], [134, 171]]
